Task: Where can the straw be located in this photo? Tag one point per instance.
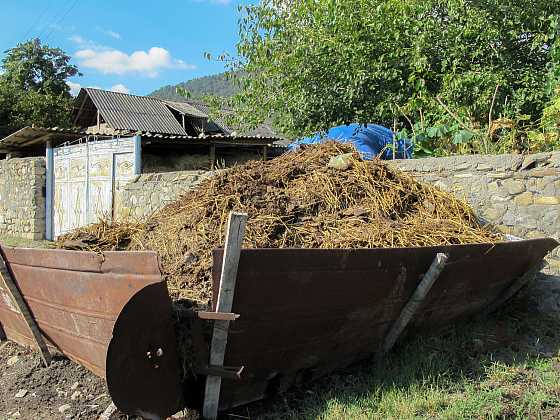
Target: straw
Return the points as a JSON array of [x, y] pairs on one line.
[[295, 200]]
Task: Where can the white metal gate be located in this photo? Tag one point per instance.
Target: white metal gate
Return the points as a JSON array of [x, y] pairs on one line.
[[87, 177]]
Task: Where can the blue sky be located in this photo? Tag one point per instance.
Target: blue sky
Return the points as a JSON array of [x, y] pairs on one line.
[[125, 45]]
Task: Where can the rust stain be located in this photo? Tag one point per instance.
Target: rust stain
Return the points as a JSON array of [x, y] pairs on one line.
[[82, 301]]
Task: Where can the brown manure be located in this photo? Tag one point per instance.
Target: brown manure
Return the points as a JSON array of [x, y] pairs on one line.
[[310, 198]]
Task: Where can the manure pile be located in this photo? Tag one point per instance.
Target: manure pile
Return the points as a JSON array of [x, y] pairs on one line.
[[295, 200]]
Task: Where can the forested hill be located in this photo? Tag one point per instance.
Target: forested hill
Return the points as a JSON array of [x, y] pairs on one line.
[[216, 85]]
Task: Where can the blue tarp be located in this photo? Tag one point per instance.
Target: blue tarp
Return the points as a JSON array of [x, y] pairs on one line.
[[370, 140]]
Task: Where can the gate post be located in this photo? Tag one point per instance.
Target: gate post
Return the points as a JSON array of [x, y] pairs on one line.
[[137, 155], [49, 192]]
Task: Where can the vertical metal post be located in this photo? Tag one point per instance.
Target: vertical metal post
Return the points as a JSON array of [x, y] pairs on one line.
[[137, 155], [49, 191], [87, 200]]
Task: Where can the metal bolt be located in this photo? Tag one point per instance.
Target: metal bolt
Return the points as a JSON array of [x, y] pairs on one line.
[[149, 354], [159, 352]]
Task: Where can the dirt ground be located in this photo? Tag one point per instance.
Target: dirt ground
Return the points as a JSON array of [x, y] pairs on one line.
[[64, 390]]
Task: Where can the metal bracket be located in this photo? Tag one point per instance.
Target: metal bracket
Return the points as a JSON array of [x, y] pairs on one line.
[[225, 372]]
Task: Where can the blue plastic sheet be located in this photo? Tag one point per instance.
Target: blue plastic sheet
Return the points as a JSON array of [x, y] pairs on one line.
[[370, 140]]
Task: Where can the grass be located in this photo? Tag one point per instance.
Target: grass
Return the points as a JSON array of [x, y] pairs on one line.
[[24, 243], [504, 367]]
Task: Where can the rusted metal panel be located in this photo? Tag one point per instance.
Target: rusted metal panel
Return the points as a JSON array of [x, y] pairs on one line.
[[305, 312], [83, 304]]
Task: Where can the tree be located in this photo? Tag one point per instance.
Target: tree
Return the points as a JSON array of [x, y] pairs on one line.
[[311, 64], [33, 88]]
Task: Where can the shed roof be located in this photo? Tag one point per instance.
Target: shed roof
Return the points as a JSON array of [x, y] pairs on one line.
[[130, 112], [186, 108], [31, 136]]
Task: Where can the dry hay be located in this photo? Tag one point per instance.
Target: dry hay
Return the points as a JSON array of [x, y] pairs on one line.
[[295, 200]]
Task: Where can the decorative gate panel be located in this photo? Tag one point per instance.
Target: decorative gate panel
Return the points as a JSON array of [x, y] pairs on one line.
[[87, 177]]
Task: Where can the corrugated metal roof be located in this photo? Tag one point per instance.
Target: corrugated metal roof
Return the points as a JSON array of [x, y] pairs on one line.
[[29, 136], [130, 112], [37, 135], [186, 108], [217, 120], [263, 130]]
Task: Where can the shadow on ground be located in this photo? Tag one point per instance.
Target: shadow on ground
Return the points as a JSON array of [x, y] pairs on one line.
[[504, 366]]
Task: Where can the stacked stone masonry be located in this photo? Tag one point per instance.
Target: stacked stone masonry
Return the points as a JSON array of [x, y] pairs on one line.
[[22, 198], [150, 192], [519, 194]]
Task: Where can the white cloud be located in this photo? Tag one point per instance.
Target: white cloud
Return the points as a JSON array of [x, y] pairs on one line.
[[111, 61], [109, 32], [119, 87], [84, 43], [74, 88]]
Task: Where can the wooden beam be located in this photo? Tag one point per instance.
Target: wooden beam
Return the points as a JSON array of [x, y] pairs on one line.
[[18, 299], [80, 110], [212, 157], [228, 277], [265, 152], [415, 301], [108, 413]]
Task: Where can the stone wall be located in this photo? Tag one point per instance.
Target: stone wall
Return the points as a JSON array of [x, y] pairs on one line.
[[149, 192], [22, 198], [519, 194]]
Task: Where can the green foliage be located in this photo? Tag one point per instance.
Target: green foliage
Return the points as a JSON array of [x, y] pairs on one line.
[[311, 64], [215, 85], [33, 87]]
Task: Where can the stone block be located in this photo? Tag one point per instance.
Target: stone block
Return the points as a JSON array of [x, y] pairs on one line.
[[500, 175], [524, 199], [545, 172], [535, 234], [547, 200], [484, 167], [514, 187], [507, 230], [494, 213]]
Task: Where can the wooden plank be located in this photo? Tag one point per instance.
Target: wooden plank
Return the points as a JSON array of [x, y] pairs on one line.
[[217, 316], [24, 310], [415, 301], [108, 412], [228, 277]]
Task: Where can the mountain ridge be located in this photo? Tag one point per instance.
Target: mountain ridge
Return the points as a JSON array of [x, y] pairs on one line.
[[214, 85]]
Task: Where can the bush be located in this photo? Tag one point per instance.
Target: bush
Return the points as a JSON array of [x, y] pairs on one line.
[[313, 64]]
